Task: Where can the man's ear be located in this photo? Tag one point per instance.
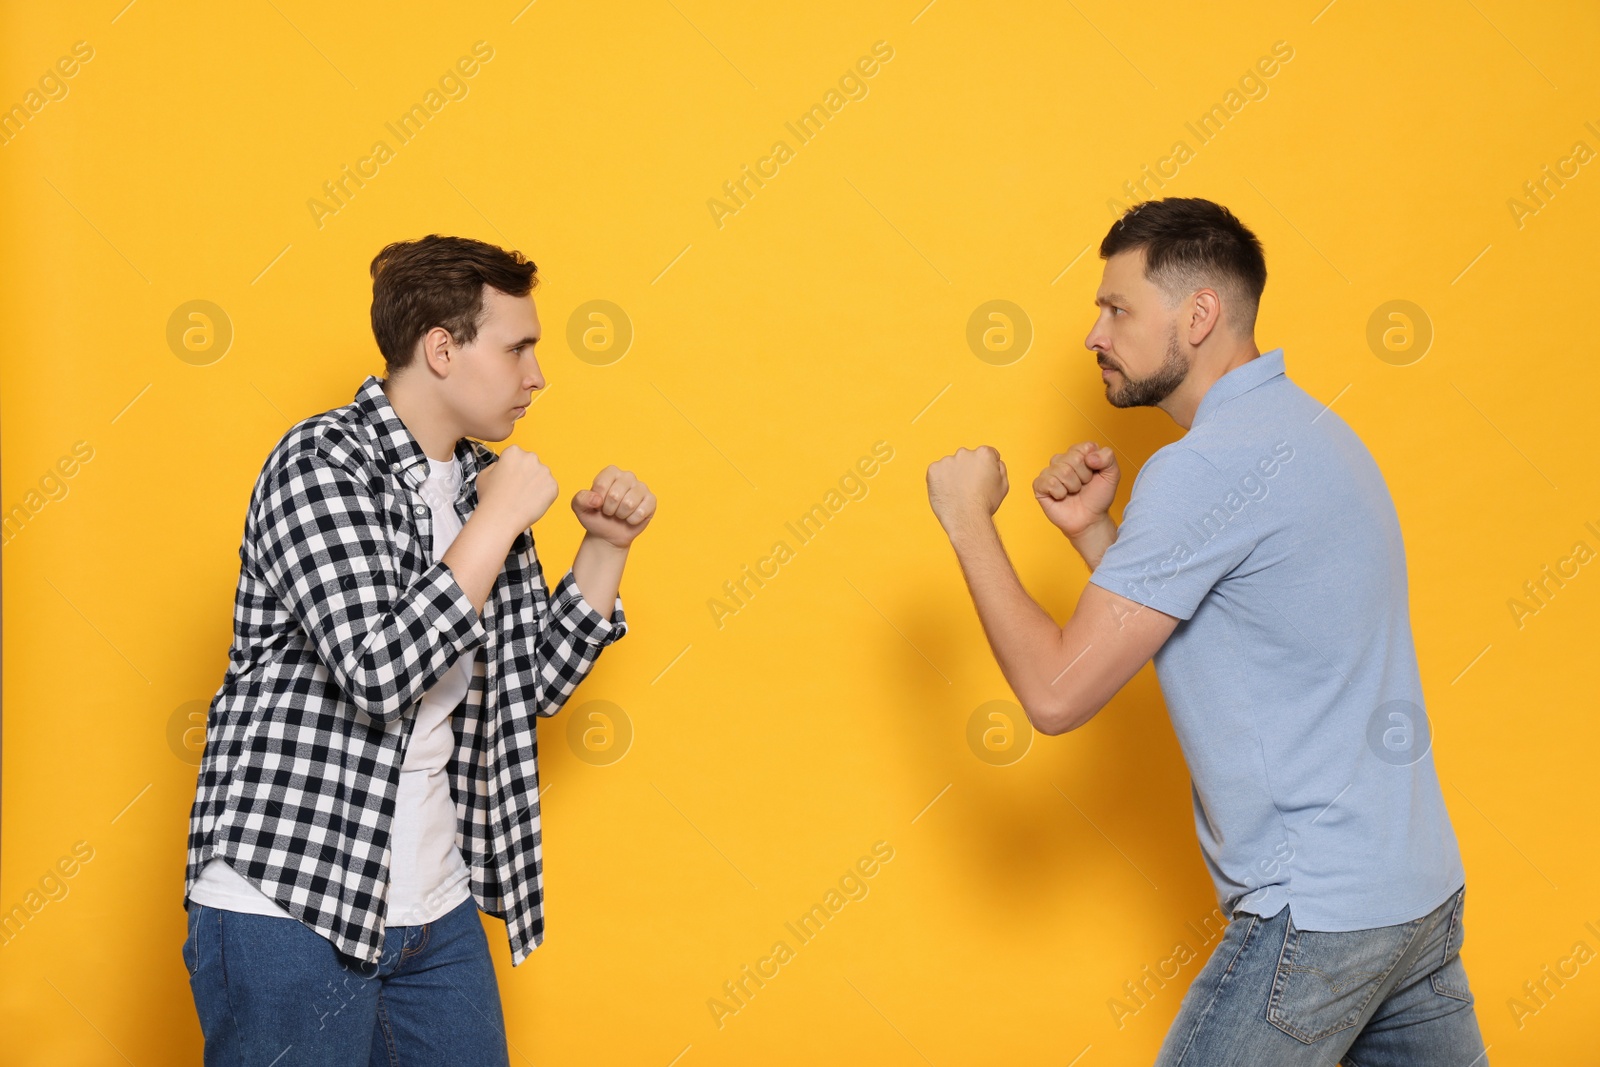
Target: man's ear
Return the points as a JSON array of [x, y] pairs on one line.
[[1204, 315], [434, 345]]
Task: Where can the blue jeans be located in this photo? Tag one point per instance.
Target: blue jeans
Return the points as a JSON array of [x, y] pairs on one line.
[[1390, 996], [270, 990]]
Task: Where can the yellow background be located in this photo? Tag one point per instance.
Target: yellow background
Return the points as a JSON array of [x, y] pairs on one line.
[[769, 355]]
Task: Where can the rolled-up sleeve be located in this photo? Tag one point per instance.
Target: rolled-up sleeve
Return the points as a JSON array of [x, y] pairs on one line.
[[578, 617], [322, 547], [559, 638]]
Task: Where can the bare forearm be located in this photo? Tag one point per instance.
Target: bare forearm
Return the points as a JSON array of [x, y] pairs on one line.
[[478, 555], [598, 571], [1092, 543], [1025, 639]]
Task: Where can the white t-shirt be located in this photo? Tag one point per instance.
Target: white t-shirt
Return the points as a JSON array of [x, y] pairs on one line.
[[427, 876]]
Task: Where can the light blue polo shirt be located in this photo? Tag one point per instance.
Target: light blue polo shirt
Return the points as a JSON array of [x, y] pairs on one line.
[[1292, 679]]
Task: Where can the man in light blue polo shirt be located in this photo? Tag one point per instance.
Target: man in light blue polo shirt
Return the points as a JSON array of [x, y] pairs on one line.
[[1293, 684], [1259, 561]]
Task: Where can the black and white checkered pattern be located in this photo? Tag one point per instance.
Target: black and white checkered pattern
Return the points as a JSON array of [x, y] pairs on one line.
[[342, 621]]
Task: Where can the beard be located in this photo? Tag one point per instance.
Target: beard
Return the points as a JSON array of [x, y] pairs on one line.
[[1148, 392]]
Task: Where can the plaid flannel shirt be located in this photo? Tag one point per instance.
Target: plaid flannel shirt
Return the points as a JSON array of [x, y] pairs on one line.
[[342, 621]]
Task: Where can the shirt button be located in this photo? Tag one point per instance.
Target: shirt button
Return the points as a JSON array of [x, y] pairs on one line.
[[420, 510]]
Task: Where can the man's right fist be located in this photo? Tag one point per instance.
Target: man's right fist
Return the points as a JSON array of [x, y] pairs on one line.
[[517, 487], [1077, 488]]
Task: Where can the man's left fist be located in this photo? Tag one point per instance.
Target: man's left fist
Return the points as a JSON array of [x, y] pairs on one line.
[[616, 508], [969, 484]]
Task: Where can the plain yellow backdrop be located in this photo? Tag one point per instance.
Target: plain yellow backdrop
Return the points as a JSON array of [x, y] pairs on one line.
[[773, 346]]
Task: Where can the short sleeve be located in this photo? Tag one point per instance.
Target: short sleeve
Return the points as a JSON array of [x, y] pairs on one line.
[[1185, 528]]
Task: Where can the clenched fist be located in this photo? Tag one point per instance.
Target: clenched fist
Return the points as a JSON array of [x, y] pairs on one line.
[[516, 488], [616, 508], [1077, 488], [969, 484]]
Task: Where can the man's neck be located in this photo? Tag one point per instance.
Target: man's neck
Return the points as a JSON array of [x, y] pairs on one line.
[[1184, 401], [418, 408]]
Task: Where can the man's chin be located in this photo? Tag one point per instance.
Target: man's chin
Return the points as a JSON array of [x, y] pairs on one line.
[[497, 433]]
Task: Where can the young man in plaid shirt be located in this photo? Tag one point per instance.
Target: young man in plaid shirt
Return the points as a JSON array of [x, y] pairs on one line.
[[370, 777]]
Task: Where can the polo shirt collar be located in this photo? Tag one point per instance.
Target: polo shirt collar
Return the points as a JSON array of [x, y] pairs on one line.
[[396, 444], [1239, 380]]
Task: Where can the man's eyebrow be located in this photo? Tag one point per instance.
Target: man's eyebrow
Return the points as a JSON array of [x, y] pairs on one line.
[[1110, 298], [529, 340]]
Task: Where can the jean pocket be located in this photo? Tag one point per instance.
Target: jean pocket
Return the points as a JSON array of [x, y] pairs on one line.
[[191, 950], [1450, 980], [1326, 979]]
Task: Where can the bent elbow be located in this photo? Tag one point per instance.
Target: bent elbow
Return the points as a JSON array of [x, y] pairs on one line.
[[1062, 718], [1067, 725], [1047, 719], [365, 677], [547, 703], [379, 706], [381, 702]]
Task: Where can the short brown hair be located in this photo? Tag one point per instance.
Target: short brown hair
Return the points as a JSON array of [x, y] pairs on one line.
[[1191, 243], [438, 281]]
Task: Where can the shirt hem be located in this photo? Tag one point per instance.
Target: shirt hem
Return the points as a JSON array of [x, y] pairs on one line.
[[1302, 921], [1153, 601]]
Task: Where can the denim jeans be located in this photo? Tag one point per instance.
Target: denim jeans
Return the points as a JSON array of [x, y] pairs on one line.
[[1389, 996], [270, 990]]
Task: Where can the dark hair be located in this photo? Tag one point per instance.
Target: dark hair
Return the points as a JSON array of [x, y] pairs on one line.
[[1191, 243], [438, 281]]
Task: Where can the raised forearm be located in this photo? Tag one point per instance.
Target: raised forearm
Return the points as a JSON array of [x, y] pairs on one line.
[[1092, 543], [597, 568], [478, 554], [1025, 639]]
